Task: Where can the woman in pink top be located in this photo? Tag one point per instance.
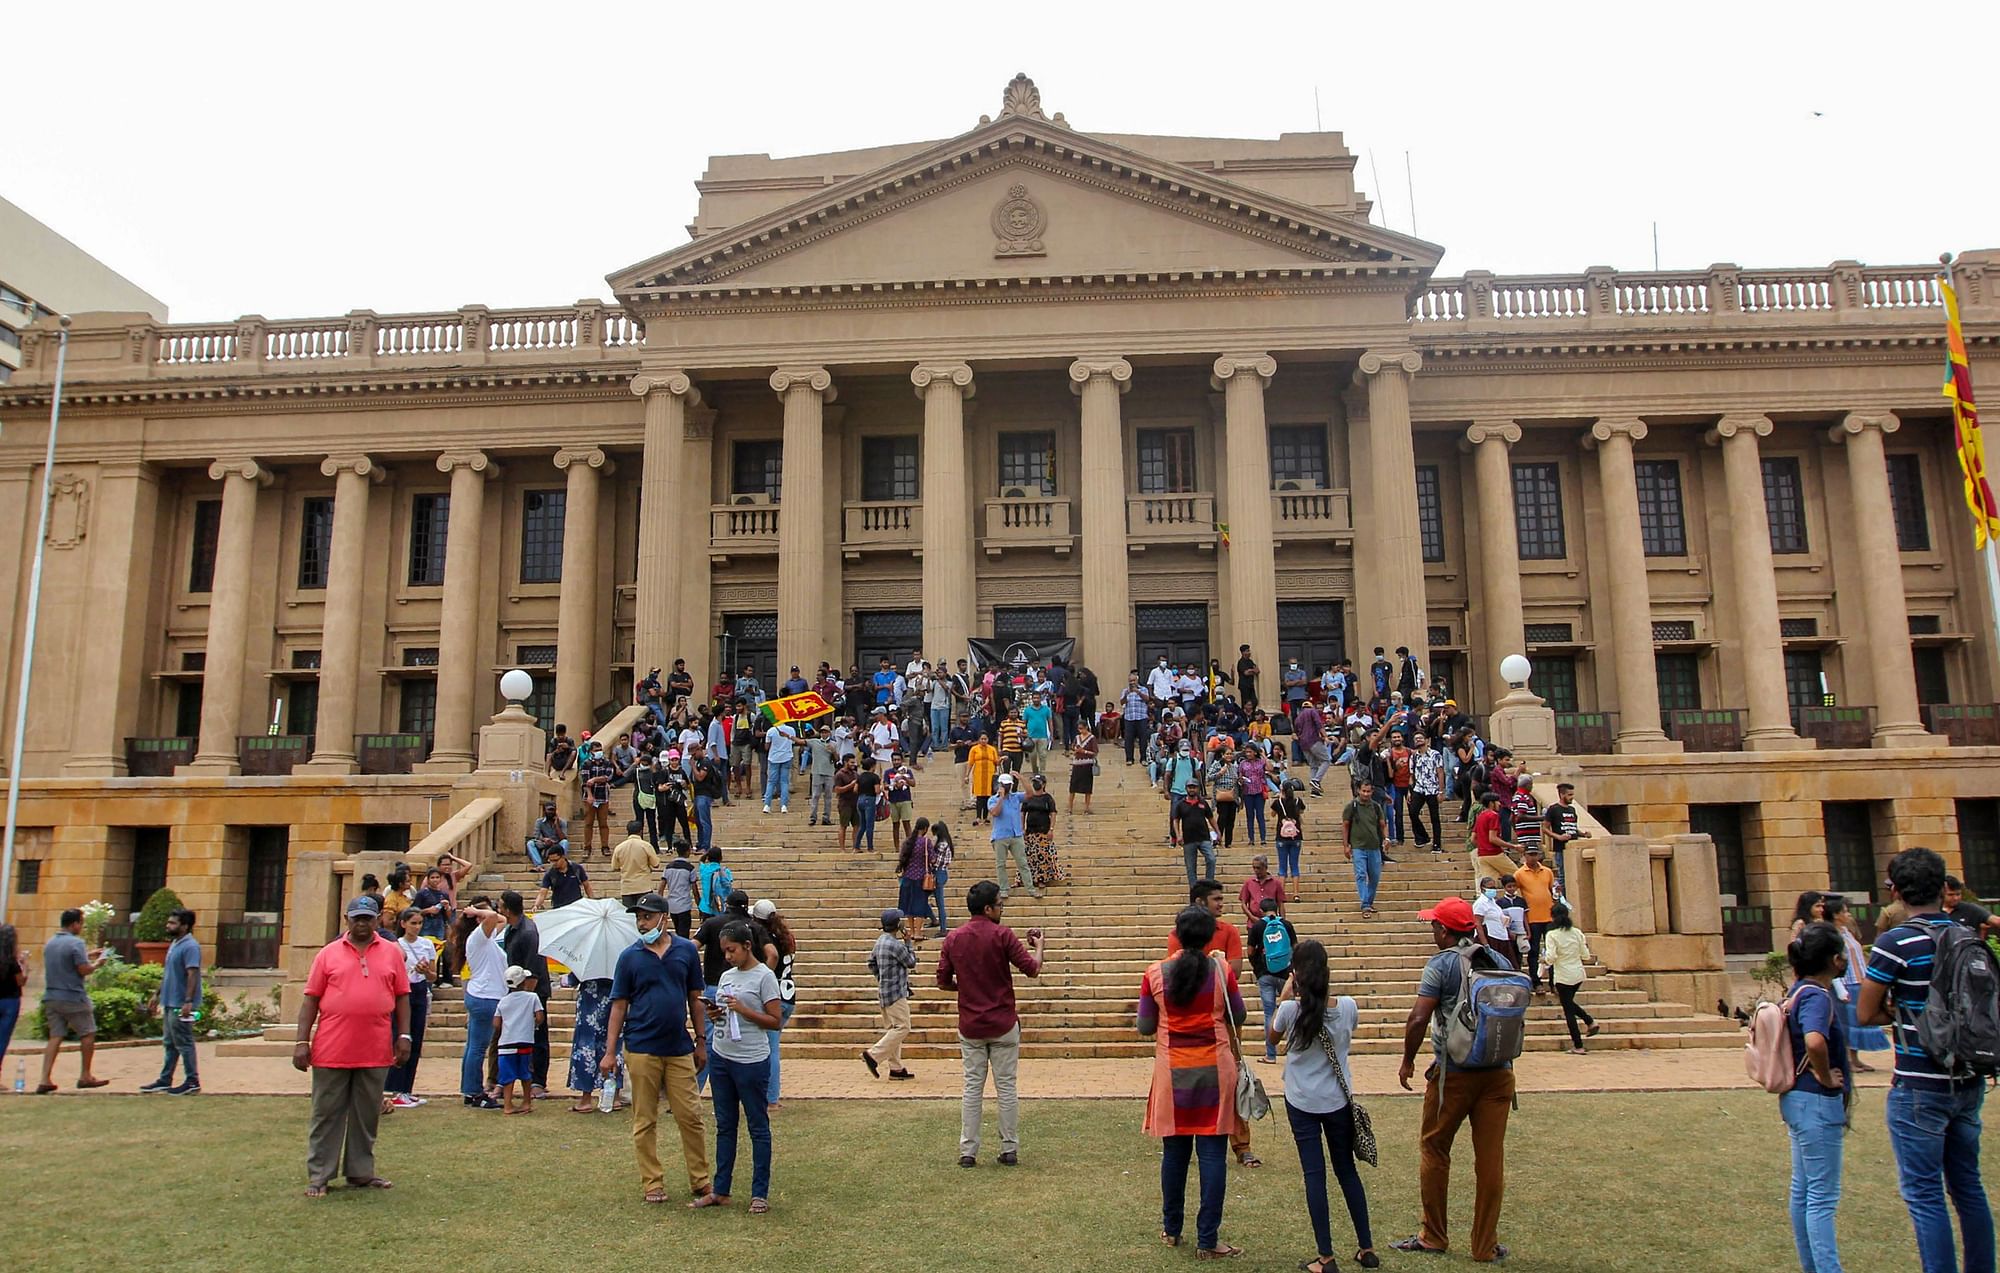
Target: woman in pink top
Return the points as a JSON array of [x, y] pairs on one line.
[[1254, 785]]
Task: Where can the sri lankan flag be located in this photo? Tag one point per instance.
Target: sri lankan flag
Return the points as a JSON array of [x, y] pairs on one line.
[[1965, 418], [795, 708]]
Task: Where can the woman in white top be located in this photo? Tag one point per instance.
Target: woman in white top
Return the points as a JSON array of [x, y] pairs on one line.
[[1311, 1024], [485, 986], [419, 961], [1564, 952]]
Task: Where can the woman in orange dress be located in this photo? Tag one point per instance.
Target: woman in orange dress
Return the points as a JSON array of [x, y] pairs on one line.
[[1189, 1005]]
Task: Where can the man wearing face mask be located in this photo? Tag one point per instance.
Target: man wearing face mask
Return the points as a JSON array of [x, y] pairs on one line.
[[1160, 681], [655, 993]]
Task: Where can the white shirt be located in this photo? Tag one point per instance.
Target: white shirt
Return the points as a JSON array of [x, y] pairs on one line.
[[915, 666], [1161, 681], [485, 967], [843, 742], [883, 736], [517, 1017], [688, 738], [1493, 915], [1189, 686]]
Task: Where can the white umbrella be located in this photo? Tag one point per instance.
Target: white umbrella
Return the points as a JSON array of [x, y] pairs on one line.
[[587, 936]]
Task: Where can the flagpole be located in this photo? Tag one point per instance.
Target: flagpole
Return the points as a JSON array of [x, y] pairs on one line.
[[1992, 546]]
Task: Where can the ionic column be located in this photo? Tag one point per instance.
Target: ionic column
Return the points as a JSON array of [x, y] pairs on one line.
[[949, 592], [664, 556], [1756, 585], [1401, 613], [1253, 567], [340, 630], [458, 625], [1107, 581], [576, 607], [1897, 723], [1631, 598], [802, 591], [1491, 444], [228, 616]]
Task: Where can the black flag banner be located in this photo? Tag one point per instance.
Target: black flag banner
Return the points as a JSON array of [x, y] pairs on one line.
[[1019, 654]]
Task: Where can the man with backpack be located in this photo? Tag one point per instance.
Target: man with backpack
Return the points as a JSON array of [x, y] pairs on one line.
[[1947, 1045], [1272, 941], [1475, 1006]]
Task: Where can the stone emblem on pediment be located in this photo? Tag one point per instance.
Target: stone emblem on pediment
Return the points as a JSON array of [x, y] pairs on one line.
[[1018, 222]]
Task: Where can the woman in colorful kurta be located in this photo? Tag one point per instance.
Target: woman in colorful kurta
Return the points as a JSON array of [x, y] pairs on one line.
[[983, 761], [1188, 1005]]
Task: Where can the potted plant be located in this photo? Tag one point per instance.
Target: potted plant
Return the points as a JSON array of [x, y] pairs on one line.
[[149, 931], [96, 914]]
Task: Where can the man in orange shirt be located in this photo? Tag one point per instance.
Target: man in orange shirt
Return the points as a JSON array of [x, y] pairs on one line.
[[1229, 943], [1538, 885]]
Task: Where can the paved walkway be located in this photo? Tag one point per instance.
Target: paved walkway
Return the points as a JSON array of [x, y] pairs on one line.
[[1621, 1070]]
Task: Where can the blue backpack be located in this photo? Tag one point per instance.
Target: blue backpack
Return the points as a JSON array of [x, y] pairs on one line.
[[1277, 946], [1486, 1022]]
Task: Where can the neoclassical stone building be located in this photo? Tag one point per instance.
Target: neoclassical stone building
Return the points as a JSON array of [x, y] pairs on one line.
[[1161, 394]]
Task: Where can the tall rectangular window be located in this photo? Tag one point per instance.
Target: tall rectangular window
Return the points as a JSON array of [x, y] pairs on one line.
[[1430, 512], [542, 536], [757, 468], [541, 704], [1028, 463], [430, 518], [315, 540], [1723, 823], [1906, 499], [417, 713], [1554, 679], [201, 555], [1166, 461], [1979, 845], [1679, 677], [1803, 669], [149, 863], [301, 706], [1784, 503], [889, 469], [1850, 848], [270, 852], [1298, 455], [1538, 512], [1661, 526]]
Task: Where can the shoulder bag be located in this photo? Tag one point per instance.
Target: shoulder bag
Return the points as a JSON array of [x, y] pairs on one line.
[[1364, 1127], [1251, 1099]]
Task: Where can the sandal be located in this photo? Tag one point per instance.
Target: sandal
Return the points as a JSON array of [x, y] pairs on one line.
[[372, 1182], [655, 1195], [759, 1206], [709, 1200], [1249, 1159], [1415, 1244], [315, 1191], [1223, 1252], [1368, 1259], [1320, 1264], [1171, 1239]]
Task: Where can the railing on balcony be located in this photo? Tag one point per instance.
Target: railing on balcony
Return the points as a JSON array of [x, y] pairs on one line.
[[743, 527], [1306, 514], [882, 523], [1835, 727], [1705, 728], [391, 753], [1964, 724], [1585, 733], [157, 757], [1181, 517], [270, 755], [1746, 930], [248, 944], [1030, 521]]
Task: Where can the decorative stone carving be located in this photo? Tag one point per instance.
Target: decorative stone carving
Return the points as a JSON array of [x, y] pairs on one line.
[[1505, 431], [1263, 366], [818, 379], [1731, 425], [363, 465], [477, 461], [958, 373], [1376, 361], [1083, 370], [589, 456], [1855, 422], [1021, 97], [1604, 430], [1018, 222], [69, 510], [247, 469], [677, 383]]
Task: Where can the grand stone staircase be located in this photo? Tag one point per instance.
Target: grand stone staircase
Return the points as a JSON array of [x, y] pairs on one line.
[[1103, 930]]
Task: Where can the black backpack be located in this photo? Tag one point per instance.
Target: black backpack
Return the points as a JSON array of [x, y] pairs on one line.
[[1960, 1023]]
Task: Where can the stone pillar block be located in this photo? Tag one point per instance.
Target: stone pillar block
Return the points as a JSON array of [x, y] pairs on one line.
[[1693, 890], [313, 899], [1621, 875]]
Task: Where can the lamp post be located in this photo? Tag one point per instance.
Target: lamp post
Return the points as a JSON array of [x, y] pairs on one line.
[[1515, 670], [1521, 721], [516, 686]]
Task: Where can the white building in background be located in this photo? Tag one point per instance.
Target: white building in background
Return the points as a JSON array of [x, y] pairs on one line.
[[41, 272]]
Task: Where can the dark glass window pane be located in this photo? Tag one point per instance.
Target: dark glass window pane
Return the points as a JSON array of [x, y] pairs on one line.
[[542, 536], [149, 863], [1784, 504], [1679, 677], [430, 518], [1028, 462], [270, 851], [1166, 461], [1979, 845], [1723, 823], [1906, 497], [201, 560], [1802, 679], [1850, 848], [302, 707], [1430, 513], [1660, 523], [757, 468], [315, 541], [30, 878], [889, 468], [418, 712], [1554, 679], [1538, 513], [1298, 454]]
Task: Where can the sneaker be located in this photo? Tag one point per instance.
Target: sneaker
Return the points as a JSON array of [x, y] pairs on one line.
[[783, 808], [868, 1059], [767, 808], [190, 1088], [158, 1085], [1010, 1159], [481, 1102], [403, 1102], [901, 1074]]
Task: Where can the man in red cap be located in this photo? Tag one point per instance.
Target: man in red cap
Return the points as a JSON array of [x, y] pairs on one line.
[[1454, 1093]]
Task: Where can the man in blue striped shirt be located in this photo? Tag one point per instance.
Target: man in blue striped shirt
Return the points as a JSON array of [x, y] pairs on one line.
[[1933, 1114]]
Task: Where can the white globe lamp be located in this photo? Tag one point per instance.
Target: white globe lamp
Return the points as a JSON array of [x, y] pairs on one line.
[[1515, 670], [516, 685]]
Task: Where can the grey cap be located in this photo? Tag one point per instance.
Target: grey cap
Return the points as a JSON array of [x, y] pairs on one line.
[[364, 905], [891, 917]]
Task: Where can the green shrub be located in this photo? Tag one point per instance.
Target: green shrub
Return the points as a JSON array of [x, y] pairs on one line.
[[152, 922]]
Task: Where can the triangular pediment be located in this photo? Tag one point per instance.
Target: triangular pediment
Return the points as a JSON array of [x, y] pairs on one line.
[[1022, 197]]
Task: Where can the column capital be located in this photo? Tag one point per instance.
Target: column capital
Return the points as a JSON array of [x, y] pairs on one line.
[[1729, 426], [478, 461], [817, 379], [925, 374], [1085, 370], [1376, 361], [1632, 429], [1855, 422], [588, 456], [1263, 366], [360, 465], [1505, 432], [244, 467], [674, 383]]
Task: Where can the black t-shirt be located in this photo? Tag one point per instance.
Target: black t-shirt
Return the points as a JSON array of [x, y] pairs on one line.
[[1194, 823], [1971, 914], [1038, 812], [679, 683], [866, 784], [523, 946], [708, 778], [1561, 819], [564, 886], [709, 938]]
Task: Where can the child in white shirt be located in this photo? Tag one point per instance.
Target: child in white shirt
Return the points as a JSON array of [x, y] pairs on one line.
[[515, 1021]]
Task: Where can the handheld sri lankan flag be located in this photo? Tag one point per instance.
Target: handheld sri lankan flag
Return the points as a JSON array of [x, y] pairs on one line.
[[1965, 419], [795, 708], [1222, 531]]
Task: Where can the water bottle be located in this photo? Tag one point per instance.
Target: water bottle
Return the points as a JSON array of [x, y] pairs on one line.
[[607, 1094], [21, 1077]]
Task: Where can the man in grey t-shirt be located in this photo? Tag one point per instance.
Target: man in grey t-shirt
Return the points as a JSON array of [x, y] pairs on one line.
[[65, 1002]]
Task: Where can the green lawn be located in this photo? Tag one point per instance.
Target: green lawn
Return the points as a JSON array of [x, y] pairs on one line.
[[1596, 1183]]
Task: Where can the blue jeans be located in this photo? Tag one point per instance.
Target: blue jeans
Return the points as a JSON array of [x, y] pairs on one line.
[[10, 1013], [1288, 859], [701, 1075], [784, 1016], [937, 900], [1817, 1123], [741, 1084], [940, 728], [1207, 850], [1338, 1130], [778, 781], [178, 1037], [1213, 1153], [1254, 829], [1268, 987], [704, 824], [1935, 1136], [535, 854], [1399, 799], [1367, 875], [478, 1037], [864, 812]]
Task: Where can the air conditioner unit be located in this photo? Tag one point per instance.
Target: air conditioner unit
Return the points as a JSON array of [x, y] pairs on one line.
[[1289, 484], [1014, 492], [751, 497]]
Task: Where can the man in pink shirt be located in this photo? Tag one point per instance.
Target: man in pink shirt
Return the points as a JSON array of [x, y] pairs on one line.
[[358, 997], [1260, 885]]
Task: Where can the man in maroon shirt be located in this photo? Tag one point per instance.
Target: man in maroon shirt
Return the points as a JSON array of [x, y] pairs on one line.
[[977, 961]]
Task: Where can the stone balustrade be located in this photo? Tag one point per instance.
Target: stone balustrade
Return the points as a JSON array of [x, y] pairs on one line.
[[1311, 515], [743, 528], [1034, 521], [1187, 517], [882, 524]]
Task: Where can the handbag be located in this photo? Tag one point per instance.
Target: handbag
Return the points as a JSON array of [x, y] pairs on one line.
[[1251, 1099], [1364, 1127]]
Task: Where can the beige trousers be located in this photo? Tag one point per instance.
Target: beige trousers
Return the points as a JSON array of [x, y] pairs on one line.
[[888, 1050], [346, 1111], [1003, 1057], [651, 1078]]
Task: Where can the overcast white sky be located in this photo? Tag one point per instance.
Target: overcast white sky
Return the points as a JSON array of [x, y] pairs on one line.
[[303, 160]]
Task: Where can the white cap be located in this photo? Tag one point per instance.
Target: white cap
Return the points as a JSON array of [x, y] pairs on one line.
[[515, 976], [1006, 780], [765, 908]]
